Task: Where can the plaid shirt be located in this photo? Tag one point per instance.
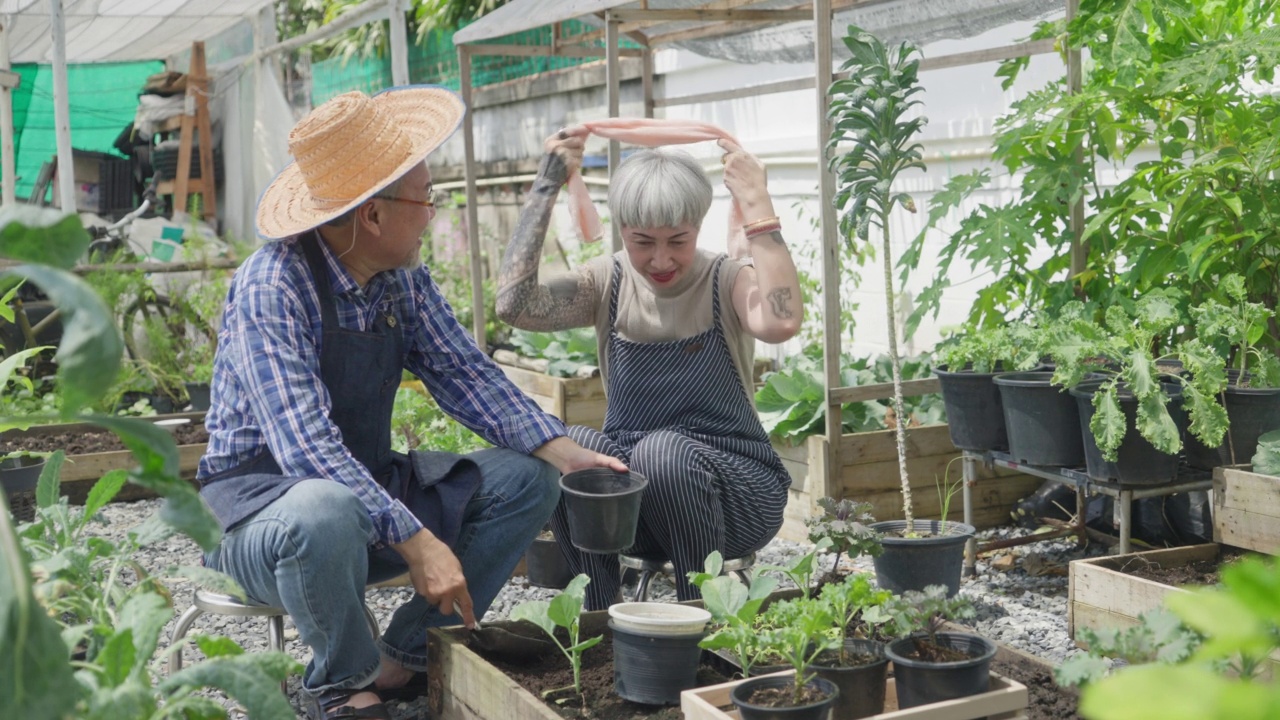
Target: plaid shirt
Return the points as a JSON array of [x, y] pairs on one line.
[[267, 390]]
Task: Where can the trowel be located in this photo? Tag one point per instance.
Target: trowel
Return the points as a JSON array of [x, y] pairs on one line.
[[524, 642]]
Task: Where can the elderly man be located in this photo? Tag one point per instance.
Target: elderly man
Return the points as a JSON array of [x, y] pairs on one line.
[[320, 324]]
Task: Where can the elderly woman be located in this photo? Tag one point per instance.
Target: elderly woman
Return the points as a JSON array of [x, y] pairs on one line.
[[676, 328]]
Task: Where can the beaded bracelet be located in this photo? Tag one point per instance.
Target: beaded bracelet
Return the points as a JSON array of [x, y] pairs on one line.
[[772, 219], [761, 228]]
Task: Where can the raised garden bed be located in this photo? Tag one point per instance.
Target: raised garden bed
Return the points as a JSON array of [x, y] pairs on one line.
[[869, 472], [1246, 509], [93, 452], [577, 401]]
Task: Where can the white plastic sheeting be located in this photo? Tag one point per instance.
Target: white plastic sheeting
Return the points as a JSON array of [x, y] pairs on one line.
[[119, 30], [921, 21]]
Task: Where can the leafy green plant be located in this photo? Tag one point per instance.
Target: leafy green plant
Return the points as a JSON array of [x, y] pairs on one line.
[[872, 142], [802, 569], [1129, 345], [1159, 636], [1177, 79], [1240, 324], [36, 677], [843, 526], [564, 610], [947, 489], [851, 600], [416, 421], [566, 350], [1013, 347], [925, 611], [1237, 621], [797, 631], [734, 607], [1267, 459], [792, 402]]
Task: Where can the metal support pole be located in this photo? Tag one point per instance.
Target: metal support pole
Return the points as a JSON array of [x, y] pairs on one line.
[[62, 109], [646, 80], [399, 44], [1082, 507], [1124, 510], [8, 171], [473, 212], [614, 83], [970, 473]]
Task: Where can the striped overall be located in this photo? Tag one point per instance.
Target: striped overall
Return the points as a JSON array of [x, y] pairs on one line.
[[679, 415]]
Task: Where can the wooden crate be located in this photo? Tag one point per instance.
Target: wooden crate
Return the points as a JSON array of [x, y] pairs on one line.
[[1246, 509], [1006, 700], [869, 472], [577, 401], [1100, 595]]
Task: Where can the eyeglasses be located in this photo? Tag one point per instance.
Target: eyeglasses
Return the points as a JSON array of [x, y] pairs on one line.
[[429, 203]]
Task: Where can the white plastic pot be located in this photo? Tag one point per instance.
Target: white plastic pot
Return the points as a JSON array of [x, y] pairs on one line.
[[655, 618]]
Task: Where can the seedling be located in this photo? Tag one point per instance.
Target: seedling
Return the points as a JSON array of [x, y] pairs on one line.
[[734, 607], [947, 489], [798, 631], [801, 570], [845, 601], [564, 610], [925, 612], [845, 524], [1159, 636]]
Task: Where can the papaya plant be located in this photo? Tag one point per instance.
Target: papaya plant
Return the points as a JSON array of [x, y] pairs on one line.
[[60, 591], [875, 119]]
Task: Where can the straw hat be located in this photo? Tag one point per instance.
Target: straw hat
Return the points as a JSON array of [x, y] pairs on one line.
[[349, 148]]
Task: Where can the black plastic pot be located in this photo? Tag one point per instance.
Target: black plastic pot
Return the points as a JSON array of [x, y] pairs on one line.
[[18, 477], [162, 404], [914, 563], [198, 395], [741, 696], [603, 507], [654, 669], [545, 564], [1251, 413], [974, 417], [1043, 421], [861, 687], [1138, 462], [919, 682]]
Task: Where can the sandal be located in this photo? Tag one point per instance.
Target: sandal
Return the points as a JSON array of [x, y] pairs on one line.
[[331, 705], [415, 688]]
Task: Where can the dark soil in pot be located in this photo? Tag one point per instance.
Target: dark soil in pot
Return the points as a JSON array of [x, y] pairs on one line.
[[601, 703], [1045, 700], [84, 443]]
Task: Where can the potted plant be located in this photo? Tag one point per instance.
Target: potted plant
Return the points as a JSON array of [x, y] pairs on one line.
[[845, 527], [856, 665], [970, 360], [931, 666], [564, 611], [797, 632], [874, 110], [1252, 393], [734, 607], [1133, 419]]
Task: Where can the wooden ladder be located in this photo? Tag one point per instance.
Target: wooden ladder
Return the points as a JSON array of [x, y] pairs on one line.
[[195, 119]]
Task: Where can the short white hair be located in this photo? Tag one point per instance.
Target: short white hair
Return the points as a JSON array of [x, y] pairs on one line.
[[659, 188]]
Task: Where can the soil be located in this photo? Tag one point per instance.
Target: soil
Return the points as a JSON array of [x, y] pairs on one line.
[[1202, 572], [83, 443], [1045, 700], [598, 701]]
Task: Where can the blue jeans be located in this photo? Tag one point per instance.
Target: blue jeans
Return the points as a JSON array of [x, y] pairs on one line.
[[307, 552]]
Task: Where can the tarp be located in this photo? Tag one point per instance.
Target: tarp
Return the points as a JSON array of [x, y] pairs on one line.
[[119, 30]]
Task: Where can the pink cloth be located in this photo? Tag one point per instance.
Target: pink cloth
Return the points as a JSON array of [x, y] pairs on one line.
[[647, 133]]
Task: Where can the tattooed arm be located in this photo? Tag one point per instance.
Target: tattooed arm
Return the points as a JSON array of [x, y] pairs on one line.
[[567, 300], [766, 296]]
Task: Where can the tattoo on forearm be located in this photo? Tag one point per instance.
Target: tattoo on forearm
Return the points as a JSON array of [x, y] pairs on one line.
[[780, 301], [777, 237], [565, 301]]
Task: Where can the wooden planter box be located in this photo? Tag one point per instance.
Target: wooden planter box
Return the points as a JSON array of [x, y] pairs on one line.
[[869, 472], [577, 401], [80, 472], [1100, 595], [1246, 509], [1006, 700]]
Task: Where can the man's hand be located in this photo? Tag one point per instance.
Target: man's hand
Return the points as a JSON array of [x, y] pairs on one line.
[[567, 456], [437, 575]]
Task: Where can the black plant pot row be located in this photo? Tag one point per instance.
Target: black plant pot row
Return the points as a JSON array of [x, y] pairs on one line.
[[1039, 424]]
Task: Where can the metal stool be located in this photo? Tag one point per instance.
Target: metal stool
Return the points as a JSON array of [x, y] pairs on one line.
[[219, 604], [648, 566]]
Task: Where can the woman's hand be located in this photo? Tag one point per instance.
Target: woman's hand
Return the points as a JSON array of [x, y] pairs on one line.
[[568, 144], [747, 181]]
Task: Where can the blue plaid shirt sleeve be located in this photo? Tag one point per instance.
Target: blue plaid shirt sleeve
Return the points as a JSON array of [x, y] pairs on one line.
[[465, 382], [271, 344]]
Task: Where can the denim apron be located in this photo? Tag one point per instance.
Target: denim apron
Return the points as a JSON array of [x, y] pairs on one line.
[[362, 371]]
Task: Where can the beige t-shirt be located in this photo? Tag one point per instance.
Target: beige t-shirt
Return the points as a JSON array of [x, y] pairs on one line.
[[646, 314]]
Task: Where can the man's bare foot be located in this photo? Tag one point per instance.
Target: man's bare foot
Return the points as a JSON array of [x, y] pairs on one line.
[[392, 674], [362, 700]]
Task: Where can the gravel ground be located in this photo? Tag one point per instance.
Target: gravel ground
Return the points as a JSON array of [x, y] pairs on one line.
[[1020, 594]]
